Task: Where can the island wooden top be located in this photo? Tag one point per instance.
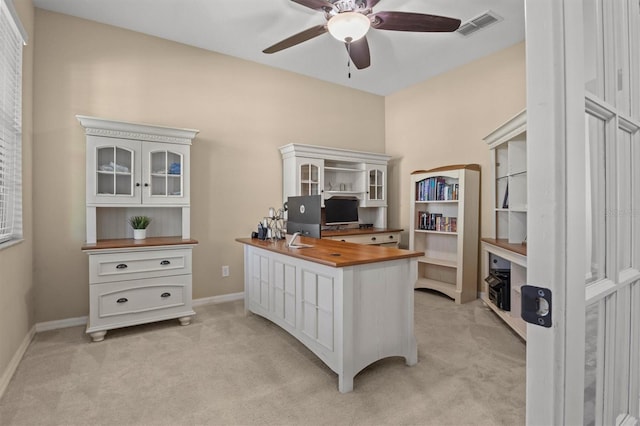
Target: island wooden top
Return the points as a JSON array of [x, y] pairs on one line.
[[130, 242], [356, 231], [333, 253]]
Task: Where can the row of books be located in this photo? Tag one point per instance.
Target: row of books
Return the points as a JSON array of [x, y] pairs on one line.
[[436, 189], [436, 222]]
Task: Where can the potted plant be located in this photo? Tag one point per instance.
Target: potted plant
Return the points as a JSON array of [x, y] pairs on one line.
[[139, 225]]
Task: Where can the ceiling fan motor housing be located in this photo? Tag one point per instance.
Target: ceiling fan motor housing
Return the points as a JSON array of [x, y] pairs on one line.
[[340, 6]]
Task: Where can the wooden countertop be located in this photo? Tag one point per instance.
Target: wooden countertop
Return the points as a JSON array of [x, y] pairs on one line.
[[356, 231], [505, 244], [333, 253], [130, 242]]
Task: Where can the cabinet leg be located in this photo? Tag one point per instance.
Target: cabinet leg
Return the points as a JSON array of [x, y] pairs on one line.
[[98, 336], [345, 384], [184, 320], [412, 355]]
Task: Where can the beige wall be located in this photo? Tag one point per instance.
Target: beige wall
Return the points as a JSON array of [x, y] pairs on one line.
[[443, 121], [244, 112], [16, 264]]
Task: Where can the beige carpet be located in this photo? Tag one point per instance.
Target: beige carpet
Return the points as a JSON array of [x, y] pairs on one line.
[[230, 369]]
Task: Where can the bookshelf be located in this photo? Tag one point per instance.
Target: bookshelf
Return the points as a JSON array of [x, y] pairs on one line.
[[444, 225], [505, 248]]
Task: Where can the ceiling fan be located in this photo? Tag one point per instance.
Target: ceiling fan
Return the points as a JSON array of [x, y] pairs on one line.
[[349, 20]]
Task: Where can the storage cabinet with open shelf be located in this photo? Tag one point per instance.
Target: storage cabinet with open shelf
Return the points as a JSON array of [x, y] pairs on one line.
[[137, 169], [506, 246], [444, 217]]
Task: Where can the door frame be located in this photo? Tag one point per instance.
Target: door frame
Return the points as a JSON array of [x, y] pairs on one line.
[[555, 251]]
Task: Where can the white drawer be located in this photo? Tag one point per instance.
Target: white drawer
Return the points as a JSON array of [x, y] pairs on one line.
[[381, 238], [133, 302], [129, 265]]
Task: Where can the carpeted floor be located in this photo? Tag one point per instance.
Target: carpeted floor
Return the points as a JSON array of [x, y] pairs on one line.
[[230, 369]]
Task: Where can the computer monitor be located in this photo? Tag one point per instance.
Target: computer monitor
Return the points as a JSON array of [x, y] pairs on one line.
[[341, 210], [304, 216]]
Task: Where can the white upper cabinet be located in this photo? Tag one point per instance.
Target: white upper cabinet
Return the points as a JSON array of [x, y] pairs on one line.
[[131, 164], [330, 172]]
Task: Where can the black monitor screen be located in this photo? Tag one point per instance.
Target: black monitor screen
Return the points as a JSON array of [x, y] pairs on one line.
[[339, 211], [303, 215]]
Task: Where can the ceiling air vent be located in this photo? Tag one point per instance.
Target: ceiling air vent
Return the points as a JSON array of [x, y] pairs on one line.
[[478, 23]]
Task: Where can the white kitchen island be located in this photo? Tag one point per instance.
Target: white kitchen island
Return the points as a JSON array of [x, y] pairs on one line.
[[350, 304]]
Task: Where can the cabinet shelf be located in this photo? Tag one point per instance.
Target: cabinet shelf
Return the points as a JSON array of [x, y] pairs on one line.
[[446, 288], [440, 262], [426, 231], [437, 202], [343, 169]]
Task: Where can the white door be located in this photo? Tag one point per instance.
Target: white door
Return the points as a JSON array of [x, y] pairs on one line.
[[583, 117]]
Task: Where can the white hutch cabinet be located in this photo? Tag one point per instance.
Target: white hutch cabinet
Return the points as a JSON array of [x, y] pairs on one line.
[[506, 249], [329, 172], [137, 169]]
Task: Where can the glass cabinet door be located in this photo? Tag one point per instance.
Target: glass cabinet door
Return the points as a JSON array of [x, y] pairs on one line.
[[166, 173], [376, 185], [114, 171], [309, 179]]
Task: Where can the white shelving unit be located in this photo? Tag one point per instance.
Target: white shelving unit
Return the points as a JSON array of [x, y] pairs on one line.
[[506, 247], [137, 169], [444, 225]]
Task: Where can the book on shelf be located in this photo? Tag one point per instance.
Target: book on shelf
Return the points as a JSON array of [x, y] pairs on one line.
[[436, 222], [436, 189], [505, 200]]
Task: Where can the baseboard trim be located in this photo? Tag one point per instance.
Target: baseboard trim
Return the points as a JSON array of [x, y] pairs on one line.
[[15, 361], [218, 299], [65, 323]]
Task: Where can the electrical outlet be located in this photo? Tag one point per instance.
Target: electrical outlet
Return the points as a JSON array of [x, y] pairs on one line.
[[225, 271]]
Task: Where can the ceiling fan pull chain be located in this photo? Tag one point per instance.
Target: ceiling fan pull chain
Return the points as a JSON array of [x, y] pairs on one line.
[[348, 41]]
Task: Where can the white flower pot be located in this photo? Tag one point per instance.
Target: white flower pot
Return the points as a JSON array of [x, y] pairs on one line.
[[139, 234]]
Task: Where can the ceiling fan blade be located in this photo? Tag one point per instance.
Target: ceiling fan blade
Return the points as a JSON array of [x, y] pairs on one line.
[[418, 22], [315, 4], [359, 53], [305, 35]]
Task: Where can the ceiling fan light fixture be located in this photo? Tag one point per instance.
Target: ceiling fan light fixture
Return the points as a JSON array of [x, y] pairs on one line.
[[348, 26]]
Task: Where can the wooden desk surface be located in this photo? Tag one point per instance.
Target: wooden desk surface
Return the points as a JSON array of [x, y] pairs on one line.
[[356, 231], [505, 244], [333, 253]]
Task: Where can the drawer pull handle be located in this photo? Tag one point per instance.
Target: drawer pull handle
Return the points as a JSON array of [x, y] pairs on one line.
[[165, 295], [121, 266], [373, 238], [122, 300], [344, 241], [391, 237], [165, 262]]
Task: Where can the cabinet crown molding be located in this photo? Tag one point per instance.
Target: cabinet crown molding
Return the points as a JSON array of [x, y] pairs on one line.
[[328, 153], [508, 130], [139, 131]]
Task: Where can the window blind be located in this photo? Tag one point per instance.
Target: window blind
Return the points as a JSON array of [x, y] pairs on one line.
[[11, 41]]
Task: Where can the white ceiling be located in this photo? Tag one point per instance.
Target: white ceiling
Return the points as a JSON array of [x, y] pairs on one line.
[[243, 28]]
